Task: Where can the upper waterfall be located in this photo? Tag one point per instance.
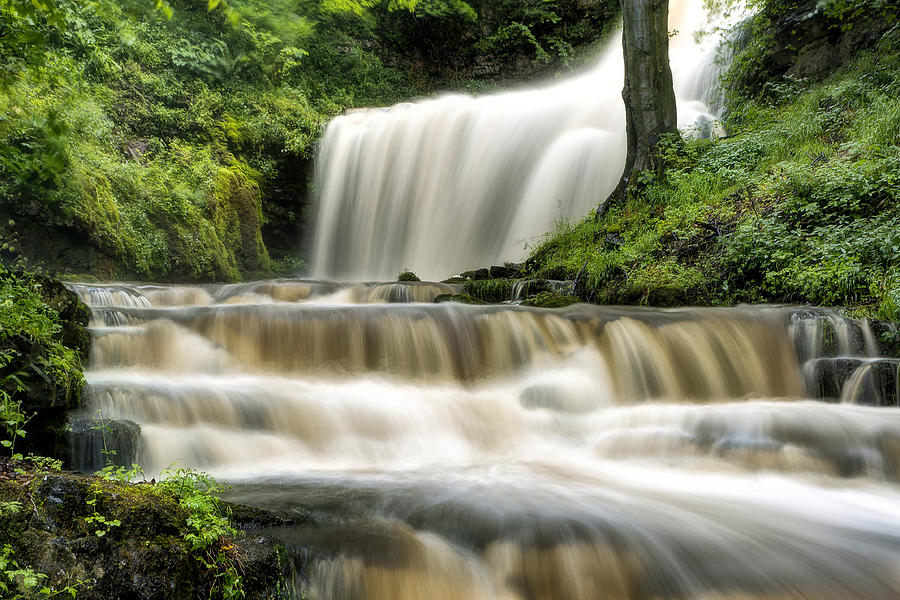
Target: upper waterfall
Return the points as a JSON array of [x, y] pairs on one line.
[[444, 184]]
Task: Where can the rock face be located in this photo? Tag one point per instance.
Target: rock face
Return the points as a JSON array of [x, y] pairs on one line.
[[847, 360], [808, 43], [143, 557], [97, 442]]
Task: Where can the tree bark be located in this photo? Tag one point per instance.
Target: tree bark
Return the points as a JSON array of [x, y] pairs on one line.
[[649, 95]]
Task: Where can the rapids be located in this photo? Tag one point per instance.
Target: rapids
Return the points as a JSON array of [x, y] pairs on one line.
[[446, 451], [454, 452]]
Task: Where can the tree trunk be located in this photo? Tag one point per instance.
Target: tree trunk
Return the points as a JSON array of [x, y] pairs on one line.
[[650, 110]]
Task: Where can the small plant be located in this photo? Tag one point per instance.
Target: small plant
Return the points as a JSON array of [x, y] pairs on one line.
[[45, 464], [100, 521], [10, 508], [18, 583], [117, 473], [103, 426], [13, 420], [211, 530]]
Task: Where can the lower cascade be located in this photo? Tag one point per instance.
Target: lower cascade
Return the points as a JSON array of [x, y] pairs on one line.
[[447, 451]]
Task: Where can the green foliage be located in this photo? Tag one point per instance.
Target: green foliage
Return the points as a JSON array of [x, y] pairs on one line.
[[31, 349], [160, 141], [45, 464], [10, 508], [454, 35], [407, 276], [24, 583], [208, 527], [490, 290], [799, 204]]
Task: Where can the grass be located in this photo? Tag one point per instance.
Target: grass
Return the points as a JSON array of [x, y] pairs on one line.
[[798, 204]]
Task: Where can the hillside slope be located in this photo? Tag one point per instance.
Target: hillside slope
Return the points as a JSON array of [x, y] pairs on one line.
[[176, 142], [799, 203]]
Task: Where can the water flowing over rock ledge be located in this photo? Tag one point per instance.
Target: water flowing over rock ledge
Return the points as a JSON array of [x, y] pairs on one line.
[[500, 450]]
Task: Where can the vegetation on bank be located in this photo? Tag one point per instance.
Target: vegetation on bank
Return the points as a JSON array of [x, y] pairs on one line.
[[99, 537], [173, 140], [43, 346], [799, 203], [74, 536]]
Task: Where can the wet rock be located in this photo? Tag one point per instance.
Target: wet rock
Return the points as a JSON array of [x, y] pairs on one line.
[[144, 556], [874, 382], [509, 271], [825, 377], [95, 443], [250, 517], [856, 380], [477, 274], [887, 337], [532, 287], [63, 498], [408, 276]]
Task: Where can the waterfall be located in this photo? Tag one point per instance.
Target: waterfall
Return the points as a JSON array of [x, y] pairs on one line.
[[502, 452], [455, 182]]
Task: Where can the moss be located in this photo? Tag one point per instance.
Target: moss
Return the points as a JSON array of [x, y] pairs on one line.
[[490, 290], [408, 276], [139, 549], [458, 298], [551, 300]]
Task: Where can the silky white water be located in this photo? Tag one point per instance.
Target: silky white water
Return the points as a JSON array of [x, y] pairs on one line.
[[460, 452], [455, 452], [442, 185]]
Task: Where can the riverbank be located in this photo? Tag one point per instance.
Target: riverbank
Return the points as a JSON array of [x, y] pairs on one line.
[[100, 537], [797, 204]]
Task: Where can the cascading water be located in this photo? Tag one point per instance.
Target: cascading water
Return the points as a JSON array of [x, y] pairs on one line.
[[447, 184], [446, 451], [454, 452]]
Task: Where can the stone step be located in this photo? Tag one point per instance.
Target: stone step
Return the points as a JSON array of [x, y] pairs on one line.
[[871, 381]]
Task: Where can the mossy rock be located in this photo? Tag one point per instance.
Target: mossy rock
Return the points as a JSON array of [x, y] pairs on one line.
[[407, 276], [48, 361], [490, 290], [551, 300], [477, 274], [458, 298], [139, 550]]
